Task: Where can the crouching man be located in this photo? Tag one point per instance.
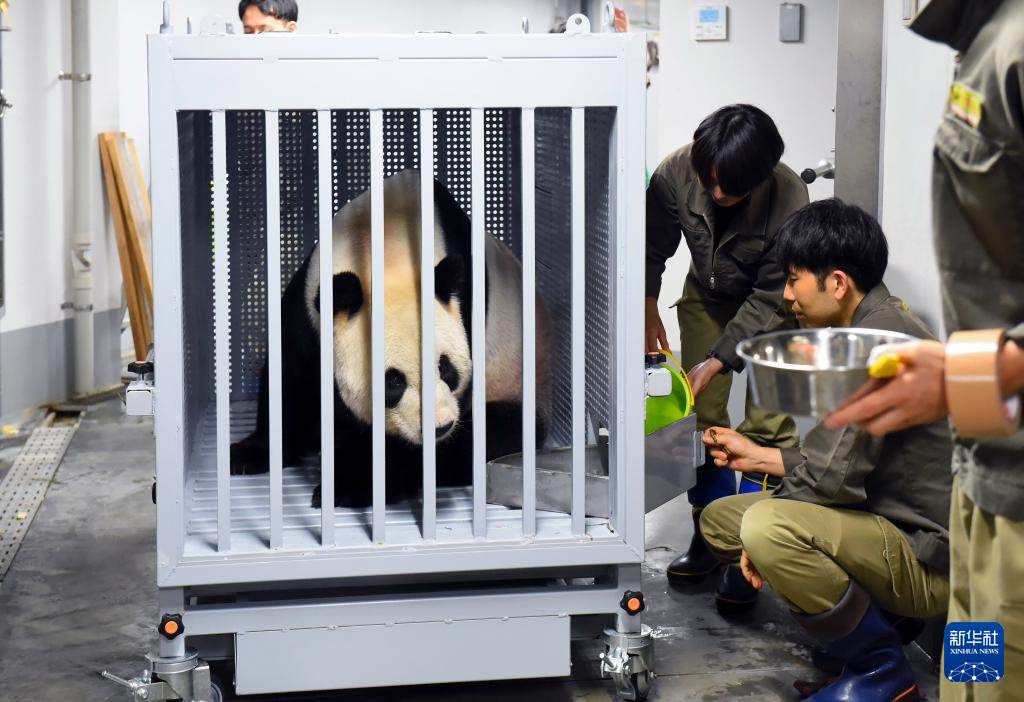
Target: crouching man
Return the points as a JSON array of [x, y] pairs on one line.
[[856, 535]]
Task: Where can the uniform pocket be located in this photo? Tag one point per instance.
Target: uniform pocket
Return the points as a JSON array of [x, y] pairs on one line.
[[747, 251], [966, 147], [982, 182]]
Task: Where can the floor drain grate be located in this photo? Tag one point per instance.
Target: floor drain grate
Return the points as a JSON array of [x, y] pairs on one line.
[[24, 487]]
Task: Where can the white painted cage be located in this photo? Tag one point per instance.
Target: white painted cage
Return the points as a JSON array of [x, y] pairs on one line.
[[541, 139]]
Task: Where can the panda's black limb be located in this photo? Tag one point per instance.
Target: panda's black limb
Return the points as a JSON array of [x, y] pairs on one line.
[[505, 429]]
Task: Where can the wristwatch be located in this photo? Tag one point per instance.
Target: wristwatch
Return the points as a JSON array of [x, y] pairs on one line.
[[726, 366]]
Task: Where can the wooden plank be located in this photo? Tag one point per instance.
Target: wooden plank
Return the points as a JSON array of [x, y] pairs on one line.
[[135, 312], [136, 226], [142, 288], [141, 179], [139, 311]]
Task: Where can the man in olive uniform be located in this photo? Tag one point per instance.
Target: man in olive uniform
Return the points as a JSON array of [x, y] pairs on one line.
[[856, 535], [727, 193], [978, 220]]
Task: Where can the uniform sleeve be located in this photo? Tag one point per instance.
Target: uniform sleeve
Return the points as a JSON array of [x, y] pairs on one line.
[[762, 310], [831, 467], [663, 232]]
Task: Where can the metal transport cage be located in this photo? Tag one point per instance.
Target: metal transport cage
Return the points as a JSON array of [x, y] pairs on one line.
[[256, 143]]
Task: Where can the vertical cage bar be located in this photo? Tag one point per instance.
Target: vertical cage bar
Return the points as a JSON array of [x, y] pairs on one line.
[[222, 330], [479, 340], [579, 430], [325, 217], [616, 452], [172, 219], [428, 364], [274, 326], [377, 318], [529, 372]]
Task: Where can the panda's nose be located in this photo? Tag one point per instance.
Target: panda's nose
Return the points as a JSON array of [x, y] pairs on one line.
[[444, 430]]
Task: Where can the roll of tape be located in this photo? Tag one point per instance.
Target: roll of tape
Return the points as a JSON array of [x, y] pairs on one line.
[[972, 385]]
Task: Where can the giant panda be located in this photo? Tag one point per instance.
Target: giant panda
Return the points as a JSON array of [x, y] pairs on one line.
[[353, 450]]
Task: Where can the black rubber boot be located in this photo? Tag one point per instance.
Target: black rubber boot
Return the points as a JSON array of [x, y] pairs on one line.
[[735, 595], [908, 629], [697, 563], [857, 632]]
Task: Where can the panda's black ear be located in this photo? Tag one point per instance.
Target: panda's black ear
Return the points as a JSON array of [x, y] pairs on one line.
[[448, 277], [348, 294]]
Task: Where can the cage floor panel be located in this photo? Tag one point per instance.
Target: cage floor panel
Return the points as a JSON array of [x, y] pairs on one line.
[[250, 510]]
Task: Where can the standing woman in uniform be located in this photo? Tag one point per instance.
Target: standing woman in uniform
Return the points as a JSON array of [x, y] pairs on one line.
[[727, 193]]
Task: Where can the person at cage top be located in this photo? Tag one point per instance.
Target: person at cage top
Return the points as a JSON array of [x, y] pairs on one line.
[[855, 540], [727, 193], [260, 16]]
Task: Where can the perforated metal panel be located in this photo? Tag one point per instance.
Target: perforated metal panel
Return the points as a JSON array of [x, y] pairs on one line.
[[600, 123], [554, 253], [247, 234], [299, 142], [196, 198]]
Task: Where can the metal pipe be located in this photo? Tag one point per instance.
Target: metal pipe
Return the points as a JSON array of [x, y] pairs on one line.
[[83, 150]]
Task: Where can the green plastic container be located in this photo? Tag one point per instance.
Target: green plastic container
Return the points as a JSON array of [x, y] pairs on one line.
[[663, 411]]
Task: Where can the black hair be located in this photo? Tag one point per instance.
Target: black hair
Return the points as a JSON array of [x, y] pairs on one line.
[[830, 235], [736, 147], [287, 10]]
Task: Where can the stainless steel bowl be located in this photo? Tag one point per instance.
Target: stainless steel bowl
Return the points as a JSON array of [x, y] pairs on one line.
[[810, 371]]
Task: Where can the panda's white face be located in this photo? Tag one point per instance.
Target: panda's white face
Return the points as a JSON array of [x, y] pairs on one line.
[[402, 378], [402, 337]]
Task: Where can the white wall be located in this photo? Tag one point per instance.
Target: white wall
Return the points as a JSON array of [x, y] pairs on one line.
[[38, 163], [794, 83], [37, 194], [141, 17], [918, 76]]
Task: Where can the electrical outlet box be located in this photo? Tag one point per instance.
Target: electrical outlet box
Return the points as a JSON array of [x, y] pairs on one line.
[[791, 20]]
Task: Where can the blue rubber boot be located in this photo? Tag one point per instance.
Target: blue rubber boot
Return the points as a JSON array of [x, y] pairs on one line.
[[712, 482], [758, 482], [857, 632]]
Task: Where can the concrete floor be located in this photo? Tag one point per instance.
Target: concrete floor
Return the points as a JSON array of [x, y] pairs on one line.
[[81, 598]]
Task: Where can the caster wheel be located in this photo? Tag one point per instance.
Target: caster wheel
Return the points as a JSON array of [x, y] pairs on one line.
[[216, 695], [641, 683], [637, 687]]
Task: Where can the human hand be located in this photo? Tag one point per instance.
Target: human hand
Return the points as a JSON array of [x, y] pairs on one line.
[[916, 395], [736, 452], [702, 373], [654, 329], [750, 572]]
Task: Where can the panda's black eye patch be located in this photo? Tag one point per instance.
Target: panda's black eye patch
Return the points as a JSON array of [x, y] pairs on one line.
[[394, 387], [448, 372]]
